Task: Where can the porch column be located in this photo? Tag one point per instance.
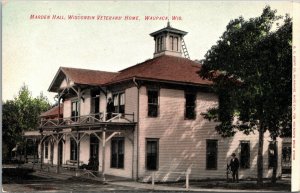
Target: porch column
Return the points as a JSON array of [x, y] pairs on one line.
[[79, 103], [103, 153], [25, 153], [58, 155], [34, 150], [42, 152], [78, 148], [59, 108]]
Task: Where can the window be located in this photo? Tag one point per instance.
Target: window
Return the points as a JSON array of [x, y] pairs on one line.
[[46, 149], [94, 147], [119, 102], [190, 104], [73, 149], [159, 44], [152, 103], [95, 101], [117, 153], [74, 110], [175, 42], [273, 154], [245, 154], [152, 154], [171, 42], [211, 154]]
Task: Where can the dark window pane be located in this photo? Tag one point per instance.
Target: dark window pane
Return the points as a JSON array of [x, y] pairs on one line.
[[94, 150], [74, 110], [211, 154], [152, 103], [245, 154], [152, 154], [190, 104], [273, 154], [117, 153], [73, 149]]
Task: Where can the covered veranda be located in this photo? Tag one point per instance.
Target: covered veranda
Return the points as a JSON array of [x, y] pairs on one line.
[[56, 131]]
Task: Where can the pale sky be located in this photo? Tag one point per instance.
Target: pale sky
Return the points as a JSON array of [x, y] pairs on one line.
[[34, 49]]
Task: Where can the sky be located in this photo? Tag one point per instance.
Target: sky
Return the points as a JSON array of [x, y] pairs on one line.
[[34, 49]]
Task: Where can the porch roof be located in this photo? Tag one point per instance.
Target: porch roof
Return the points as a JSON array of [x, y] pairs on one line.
[[88, 126]]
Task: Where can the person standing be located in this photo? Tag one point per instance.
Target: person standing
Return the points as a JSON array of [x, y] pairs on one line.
[[109, 108], [234, 166]]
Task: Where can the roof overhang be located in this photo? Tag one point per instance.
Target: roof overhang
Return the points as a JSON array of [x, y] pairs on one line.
[[169, 29], [162, 81], [57, 80]]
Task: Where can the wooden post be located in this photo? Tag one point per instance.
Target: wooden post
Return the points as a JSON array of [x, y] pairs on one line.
[[58, 108], [153, 179], [187, 181], [103, 153], [34, 151], [79, 103], [25, 152], [78, 148], [42, 152], [58, 154]]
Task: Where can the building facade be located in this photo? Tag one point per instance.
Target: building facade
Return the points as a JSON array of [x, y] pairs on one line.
[[154, 123]]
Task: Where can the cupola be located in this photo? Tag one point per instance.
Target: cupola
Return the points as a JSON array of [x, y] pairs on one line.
[[169, 41]]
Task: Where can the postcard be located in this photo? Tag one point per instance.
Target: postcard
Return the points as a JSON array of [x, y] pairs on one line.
[[153, 95]]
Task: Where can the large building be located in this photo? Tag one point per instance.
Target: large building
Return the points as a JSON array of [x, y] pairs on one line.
[[153, 124]]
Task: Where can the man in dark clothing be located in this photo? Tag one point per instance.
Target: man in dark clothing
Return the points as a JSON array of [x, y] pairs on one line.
[[109, 108], [234, 166]]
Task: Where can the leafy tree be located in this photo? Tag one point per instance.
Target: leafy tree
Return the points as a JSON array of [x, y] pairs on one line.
[[251, 66], [19, 115]]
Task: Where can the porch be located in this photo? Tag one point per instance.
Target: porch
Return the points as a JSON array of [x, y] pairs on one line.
[[73, 137]]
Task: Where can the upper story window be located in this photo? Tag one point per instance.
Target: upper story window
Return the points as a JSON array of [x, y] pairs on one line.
[[190, 105], [152, 103], [74, 110], [119, 102], [95, 102]]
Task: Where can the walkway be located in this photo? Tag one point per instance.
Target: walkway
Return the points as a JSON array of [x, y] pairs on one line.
[[127, 184]]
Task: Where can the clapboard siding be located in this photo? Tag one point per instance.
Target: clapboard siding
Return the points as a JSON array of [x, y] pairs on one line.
[[131, 95], [182, 143]]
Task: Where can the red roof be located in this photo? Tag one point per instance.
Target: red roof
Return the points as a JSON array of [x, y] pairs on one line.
[[164, 68], [89, 77], [53, 111]]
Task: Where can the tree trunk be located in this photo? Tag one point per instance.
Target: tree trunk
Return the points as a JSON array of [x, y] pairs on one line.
[[260, 156]]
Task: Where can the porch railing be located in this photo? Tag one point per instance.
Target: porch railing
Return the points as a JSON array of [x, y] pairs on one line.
[[88, 119]]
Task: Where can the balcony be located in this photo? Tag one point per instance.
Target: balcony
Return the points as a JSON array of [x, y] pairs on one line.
[[91, 120]]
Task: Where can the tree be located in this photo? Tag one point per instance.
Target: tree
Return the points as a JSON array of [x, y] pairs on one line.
[[19, 115], [251, 66]]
